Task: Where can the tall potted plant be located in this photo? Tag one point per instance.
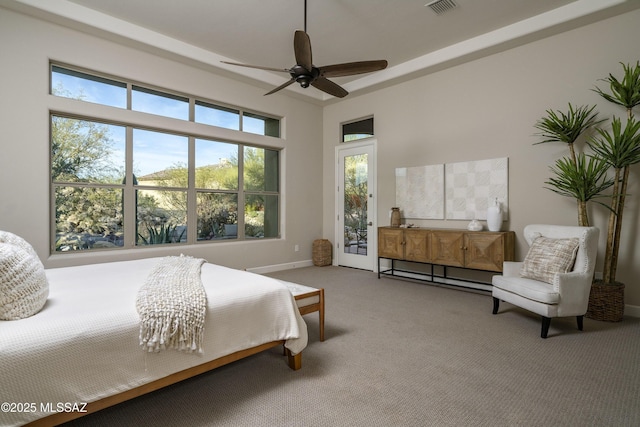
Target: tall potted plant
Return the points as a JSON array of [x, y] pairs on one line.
[[620, 148], [586, 176], [577, 176]]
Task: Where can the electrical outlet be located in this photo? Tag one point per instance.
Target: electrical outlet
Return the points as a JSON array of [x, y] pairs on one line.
[[296, 248], [598, 275]]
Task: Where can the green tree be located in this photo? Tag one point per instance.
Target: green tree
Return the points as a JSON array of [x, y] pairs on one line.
[[82, 152], [254, 173]]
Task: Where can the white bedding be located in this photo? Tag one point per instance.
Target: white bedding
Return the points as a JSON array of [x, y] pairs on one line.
[[84, 344]]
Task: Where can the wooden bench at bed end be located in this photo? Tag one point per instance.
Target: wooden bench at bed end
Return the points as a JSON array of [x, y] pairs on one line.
[[309, 300]]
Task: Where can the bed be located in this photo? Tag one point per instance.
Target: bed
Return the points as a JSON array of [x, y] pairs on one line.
[[82, 353]]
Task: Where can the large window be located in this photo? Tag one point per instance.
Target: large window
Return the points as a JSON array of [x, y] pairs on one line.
[[124, 186]]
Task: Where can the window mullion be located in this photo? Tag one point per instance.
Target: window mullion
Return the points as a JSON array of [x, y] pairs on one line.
[[241, 193], [129, 92], [192, 214], [129, 196]]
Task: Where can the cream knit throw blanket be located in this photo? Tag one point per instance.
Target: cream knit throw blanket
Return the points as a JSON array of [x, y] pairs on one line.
[[172, 305]]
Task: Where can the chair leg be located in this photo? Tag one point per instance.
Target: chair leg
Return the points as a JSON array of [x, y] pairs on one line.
[[580, 322], [546, 321], [496, 305]]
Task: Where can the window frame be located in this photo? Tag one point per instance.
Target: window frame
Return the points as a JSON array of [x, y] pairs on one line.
[[362, 120], [193, 133]]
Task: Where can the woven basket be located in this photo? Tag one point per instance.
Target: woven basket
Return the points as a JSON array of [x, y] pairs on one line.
[[606, 302], [321, 252]]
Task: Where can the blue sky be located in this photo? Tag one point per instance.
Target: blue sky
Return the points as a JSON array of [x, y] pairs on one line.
[[155, 151]]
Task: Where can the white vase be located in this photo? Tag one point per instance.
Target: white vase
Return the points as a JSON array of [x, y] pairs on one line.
[[494, 216]]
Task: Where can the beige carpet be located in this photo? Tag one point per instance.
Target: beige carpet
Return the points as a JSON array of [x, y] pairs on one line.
[[400, 353]]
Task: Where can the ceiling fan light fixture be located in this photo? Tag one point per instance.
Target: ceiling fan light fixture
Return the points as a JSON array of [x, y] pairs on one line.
[[304, 81]]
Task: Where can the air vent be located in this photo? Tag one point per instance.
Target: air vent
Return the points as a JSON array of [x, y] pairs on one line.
[[441, 6]]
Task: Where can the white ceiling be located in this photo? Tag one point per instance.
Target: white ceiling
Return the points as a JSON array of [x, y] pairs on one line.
[[408, 34]]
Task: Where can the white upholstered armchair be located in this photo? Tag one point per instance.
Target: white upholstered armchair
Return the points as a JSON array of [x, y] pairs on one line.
[[555, 278]]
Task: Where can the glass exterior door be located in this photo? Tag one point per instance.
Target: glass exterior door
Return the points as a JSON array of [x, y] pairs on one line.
[[355, 210], [356, 190]]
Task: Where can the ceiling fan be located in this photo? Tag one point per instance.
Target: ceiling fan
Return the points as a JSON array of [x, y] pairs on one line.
[[305, 73]]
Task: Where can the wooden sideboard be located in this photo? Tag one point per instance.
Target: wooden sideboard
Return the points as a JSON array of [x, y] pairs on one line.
[[476, 250]]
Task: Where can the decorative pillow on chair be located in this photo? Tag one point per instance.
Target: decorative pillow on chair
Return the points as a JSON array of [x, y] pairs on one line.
[[548, 256], [23, 284]]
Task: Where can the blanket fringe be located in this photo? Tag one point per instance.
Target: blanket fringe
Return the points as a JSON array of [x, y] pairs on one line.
[[172, 306]]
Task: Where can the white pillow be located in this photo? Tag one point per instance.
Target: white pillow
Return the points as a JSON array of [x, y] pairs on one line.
[[14, 239], [548, 256], [23, 284]]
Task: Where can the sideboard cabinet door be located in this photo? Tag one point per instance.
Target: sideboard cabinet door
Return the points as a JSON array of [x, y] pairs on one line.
[[447, 247], [485, 251], [417, 245], [391, 243]]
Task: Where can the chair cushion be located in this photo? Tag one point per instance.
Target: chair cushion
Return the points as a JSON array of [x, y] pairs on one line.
[[531, 289], [548, 256]]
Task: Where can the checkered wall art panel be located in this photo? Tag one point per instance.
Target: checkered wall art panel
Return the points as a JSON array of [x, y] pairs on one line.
[[471, 186], [456, 191]]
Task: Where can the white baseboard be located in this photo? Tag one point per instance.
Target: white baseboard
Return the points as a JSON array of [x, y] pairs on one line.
[[632, 310], [280, 267]]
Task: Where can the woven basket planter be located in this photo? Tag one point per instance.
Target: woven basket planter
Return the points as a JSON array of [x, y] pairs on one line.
[[321, 252], [606, 302]]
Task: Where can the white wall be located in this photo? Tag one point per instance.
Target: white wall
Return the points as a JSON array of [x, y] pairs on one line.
[[27, 46], [486, 109], [478, 110]]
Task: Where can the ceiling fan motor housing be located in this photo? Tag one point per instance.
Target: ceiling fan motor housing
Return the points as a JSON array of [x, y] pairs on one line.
[[304, 76]]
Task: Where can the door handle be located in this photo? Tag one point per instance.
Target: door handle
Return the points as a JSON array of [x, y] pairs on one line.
[[370, 223]]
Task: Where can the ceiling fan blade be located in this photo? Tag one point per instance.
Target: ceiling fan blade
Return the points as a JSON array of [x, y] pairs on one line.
[[302, 49], [329, 87], [282, 86], [352, 68], [259, 67]]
